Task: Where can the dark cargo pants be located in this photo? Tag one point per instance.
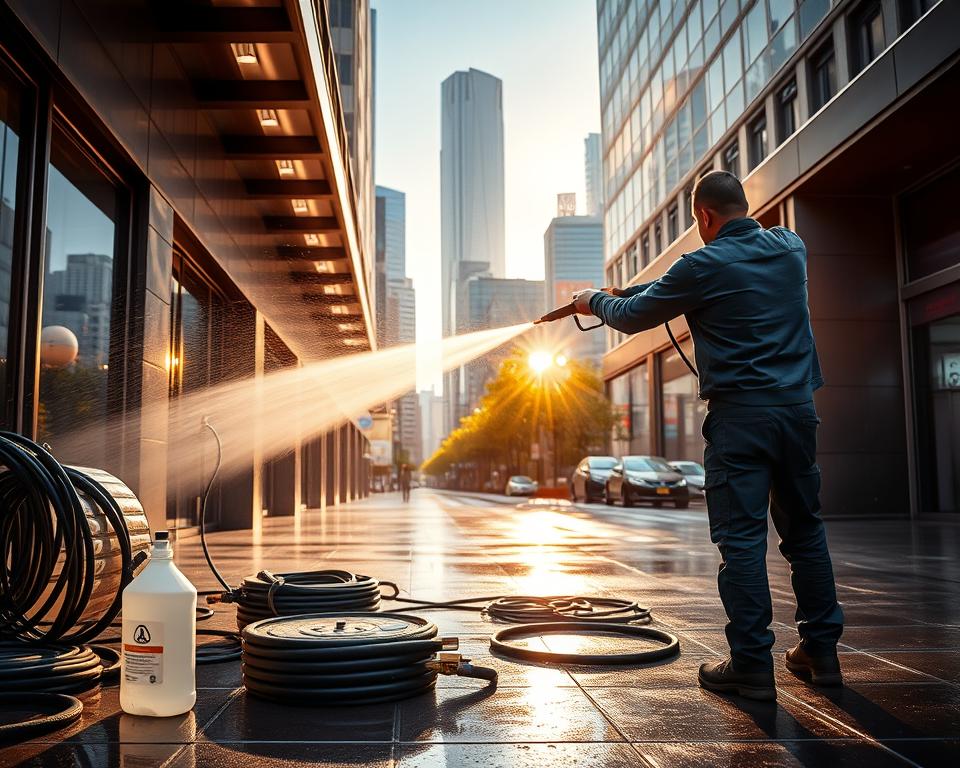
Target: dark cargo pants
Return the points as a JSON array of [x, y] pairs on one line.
[[759, 458]]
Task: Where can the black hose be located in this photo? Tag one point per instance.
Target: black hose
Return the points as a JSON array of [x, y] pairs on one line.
[[47, 556], [289, 594], [49, 668], [499, 643], [348, 658], [37, 714], [525, 609], [683, 355]]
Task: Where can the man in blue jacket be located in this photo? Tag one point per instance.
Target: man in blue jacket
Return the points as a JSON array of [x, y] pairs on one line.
[[744, 295]]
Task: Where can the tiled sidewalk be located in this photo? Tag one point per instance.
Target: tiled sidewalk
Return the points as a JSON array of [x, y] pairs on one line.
[[901, 650]]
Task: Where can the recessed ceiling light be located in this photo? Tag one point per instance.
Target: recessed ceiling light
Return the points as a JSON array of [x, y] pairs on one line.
[[340, 309], [268, 118], [311, 238], [349, 327], [300, 206], [246, 53], [285, 167], [325, 267], [339, 289], [355, 342]]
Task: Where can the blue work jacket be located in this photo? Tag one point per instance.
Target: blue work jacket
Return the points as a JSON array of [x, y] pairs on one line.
[[745, 299]]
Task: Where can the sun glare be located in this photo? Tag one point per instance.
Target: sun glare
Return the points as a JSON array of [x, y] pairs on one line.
[[540, 360]]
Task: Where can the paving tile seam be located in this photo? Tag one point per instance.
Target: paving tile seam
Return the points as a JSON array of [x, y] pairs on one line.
[[935, 679], [840, 725]]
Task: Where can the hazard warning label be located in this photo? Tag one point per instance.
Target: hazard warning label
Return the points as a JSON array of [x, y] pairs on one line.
[[142, 652]]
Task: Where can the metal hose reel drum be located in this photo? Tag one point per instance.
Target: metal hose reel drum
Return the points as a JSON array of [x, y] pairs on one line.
[[71, 538]]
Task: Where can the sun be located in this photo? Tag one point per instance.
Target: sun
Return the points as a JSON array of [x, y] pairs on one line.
[[539, 360]]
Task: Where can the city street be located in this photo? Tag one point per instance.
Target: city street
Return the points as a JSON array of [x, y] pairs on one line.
[[900, 653]]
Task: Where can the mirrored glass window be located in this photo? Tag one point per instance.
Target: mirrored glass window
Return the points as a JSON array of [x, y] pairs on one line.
[[78, 292], [9, 171]]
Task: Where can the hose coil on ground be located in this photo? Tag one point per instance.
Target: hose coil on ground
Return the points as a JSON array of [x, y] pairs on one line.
[[340, 658], [289, 594]]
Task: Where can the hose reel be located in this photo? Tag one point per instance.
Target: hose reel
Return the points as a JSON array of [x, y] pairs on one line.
[[348, 658], [70, 540]]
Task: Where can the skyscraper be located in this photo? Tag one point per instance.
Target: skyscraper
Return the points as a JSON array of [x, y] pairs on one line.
[[397, 309], [472, 198], [471, 179], [593, 172], [391, 260], [572, 261], [352, 32]]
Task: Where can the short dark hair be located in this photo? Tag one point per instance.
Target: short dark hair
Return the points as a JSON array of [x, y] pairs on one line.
[[722, 192]]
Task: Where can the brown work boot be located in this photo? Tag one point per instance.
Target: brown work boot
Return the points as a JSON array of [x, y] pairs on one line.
[[818, 670], [721, 677]]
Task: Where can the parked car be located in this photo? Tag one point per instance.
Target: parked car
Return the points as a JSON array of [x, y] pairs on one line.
[[520, 485], [647, 478], [589, 479], [693, 473]]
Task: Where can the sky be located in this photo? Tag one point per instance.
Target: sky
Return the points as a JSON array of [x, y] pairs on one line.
[[545, 52]]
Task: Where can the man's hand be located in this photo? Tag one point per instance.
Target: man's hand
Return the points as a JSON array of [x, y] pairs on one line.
[[581, 300]]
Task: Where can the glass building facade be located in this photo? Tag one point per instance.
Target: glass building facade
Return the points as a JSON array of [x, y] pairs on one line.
[[832, 112], [675, 76]]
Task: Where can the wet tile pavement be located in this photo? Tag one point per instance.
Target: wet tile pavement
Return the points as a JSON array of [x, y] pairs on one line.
[[899, 584]]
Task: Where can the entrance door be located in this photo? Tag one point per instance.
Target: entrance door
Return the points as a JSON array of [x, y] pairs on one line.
[[939, 345]]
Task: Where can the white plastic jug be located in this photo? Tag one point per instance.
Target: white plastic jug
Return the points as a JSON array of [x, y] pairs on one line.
[[158, 661]]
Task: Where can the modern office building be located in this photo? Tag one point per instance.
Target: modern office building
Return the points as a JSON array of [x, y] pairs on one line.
[[836, 116], [572, 261], [471, 200], [593, 173], [391, 260], [184, 169], [493, 303], [396, 309], [352, 32], [431, 422]]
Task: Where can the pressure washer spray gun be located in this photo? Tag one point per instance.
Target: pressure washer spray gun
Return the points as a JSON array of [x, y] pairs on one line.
[[565, 311], [571, 309]]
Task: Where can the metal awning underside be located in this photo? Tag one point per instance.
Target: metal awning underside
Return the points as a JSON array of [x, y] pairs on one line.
[[263, 73]]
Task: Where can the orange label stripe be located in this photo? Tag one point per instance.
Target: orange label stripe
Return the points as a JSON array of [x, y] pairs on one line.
[[143, 648]]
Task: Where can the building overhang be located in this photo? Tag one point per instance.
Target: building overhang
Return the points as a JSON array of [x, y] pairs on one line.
[[265, 77]]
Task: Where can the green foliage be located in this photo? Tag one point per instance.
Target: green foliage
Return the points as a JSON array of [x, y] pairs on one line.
[[520, 408]]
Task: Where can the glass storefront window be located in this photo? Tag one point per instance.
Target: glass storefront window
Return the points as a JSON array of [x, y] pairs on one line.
[[640, 438], [9, 165], [683, 411], [81, 235], [620, 400]]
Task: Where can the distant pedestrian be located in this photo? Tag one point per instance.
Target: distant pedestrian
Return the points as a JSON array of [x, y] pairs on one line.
[[744, 295], [405, 481]]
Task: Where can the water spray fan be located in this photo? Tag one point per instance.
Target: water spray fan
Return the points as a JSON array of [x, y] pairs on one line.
[[565, 311]]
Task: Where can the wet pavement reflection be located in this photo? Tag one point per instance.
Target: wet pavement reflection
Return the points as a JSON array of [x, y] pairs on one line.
[[900, 653]]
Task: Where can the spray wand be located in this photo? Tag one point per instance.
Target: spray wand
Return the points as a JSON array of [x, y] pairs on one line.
[[565, 311]]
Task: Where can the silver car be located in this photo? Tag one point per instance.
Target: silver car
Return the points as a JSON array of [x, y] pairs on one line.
[[693, 473], [520, 485]]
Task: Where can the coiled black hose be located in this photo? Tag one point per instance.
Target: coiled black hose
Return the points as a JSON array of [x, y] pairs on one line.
[[48, 669], [47, 556], [346, 658], [290, 594], [527, 609]]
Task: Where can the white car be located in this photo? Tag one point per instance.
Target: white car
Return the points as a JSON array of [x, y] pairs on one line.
[[520, 485], [693, 473]]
